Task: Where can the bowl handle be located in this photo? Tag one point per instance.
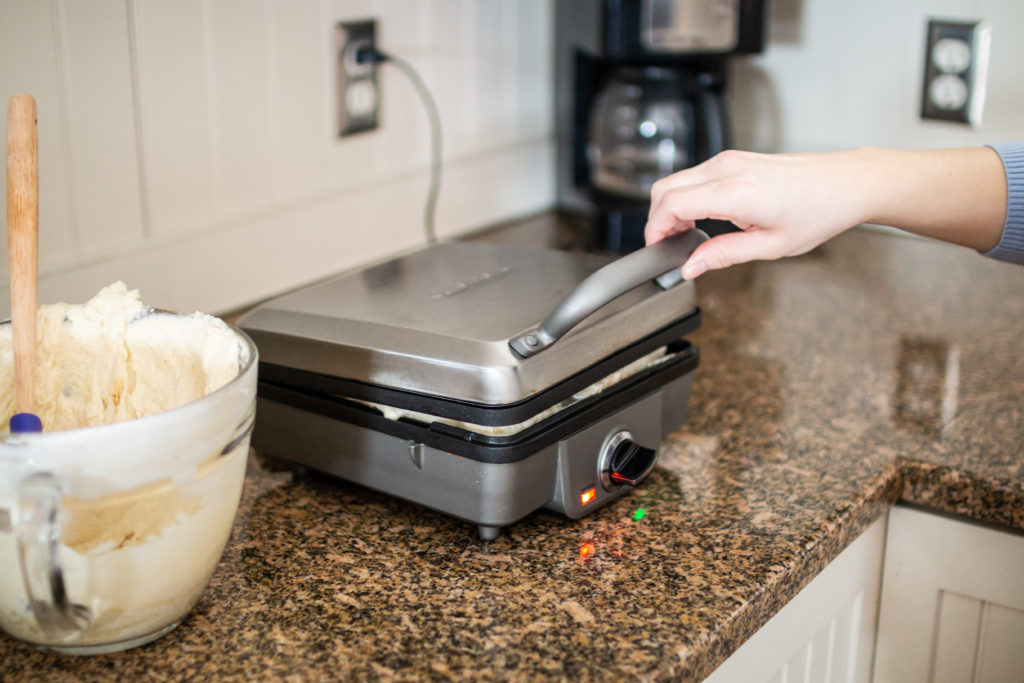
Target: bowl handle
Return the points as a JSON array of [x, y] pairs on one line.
[[35, 524], [661, 261]]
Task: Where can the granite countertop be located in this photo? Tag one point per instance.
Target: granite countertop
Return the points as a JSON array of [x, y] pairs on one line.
[[877, 368]]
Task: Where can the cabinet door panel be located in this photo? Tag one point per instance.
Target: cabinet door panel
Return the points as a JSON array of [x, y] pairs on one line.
[[826, 633], [957, 638], [952, 604], [1001, 645]]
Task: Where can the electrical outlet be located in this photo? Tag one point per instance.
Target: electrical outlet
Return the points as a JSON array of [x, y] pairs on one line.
[[358, 91], [955, 70]]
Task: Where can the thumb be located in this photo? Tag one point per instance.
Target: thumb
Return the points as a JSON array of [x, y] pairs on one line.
[[728, 249]]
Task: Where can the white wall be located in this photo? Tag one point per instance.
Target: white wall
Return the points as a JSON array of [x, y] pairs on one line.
[[188, 147], [841, 73]]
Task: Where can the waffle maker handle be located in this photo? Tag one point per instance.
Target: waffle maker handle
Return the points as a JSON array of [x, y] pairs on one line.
[[660, 261]]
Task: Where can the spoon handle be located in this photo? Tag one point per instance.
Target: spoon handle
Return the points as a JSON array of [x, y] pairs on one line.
[[23, 240]]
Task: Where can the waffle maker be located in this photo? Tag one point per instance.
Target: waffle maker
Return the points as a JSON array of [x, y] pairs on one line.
[[482, 380]]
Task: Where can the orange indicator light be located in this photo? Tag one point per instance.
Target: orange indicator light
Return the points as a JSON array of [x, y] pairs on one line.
[[588, 496], [586, 550]]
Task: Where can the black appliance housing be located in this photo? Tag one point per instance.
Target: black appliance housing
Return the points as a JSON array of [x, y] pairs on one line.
[[596, 42]]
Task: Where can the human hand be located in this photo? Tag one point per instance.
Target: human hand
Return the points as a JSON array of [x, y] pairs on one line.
[[783, 204], [787, 204]]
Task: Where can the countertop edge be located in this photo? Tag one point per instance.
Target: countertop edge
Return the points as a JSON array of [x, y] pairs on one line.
[[834, 535], [964, 494]]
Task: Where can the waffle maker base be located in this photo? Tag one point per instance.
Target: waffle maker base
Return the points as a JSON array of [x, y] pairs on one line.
[[481, 486]]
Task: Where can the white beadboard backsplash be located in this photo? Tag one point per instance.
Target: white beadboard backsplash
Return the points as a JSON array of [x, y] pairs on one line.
[[188, 147]]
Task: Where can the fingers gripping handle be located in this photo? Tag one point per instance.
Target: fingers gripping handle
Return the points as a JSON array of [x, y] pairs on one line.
[[660, 261]]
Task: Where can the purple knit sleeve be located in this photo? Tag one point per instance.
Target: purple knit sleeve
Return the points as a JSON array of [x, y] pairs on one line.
[[1011, 244]]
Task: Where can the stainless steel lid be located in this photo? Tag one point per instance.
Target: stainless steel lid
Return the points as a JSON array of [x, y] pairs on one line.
[[439, 321]]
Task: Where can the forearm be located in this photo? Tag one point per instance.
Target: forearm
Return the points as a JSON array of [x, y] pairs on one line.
[[955, 195]]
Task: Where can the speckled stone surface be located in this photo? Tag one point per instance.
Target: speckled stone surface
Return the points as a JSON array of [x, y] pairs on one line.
[[877, 368]]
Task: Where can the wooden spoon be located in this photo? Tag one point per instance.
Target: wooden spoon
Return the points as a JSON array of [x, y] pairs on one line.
[[23, 252]]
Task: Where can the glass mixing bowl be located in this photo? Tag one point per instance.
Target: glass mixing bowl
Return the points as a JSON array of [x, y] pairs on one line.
[[109, 534]]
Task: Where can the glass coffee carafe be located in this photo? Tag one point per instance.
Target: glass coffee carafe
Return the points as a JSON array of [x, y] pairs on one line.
[[646, 123]]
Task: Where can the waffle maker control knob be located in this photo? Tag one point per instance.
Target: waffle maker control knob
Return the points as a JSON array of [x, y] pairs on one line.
[[624, 462]]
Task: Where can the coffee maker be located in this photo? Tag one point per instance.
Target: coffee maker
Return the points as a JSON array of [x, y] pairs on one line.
[[639, 94]]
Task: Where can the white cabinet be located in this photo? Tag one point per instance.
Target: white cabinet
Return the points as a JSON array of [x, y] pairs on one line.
[[952, 604], [949, 602], [826, 633]]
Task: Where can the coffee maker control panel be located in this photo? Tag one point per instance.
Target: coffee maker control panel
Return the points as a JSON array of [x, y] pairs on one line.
[[684, 26]]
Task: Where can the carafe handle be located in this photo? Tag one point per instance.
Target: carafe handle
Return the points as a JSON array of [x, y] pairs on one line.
[[34, 521], [660, 261]]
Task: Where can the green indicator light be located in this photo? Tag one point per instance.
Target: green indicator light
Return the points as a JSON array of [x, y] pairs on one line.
[[639, 514]]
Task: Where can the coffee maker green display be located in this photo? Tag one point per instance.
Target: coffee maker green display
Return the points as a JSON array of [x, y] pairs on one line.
[[639, 94]]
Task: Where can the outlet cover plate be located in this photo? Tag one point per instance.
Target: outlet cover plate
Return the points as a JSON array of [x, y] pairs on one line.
[[358, 96], [955, 71]]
